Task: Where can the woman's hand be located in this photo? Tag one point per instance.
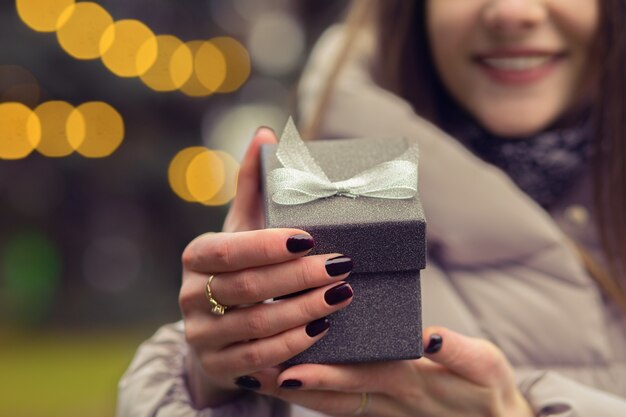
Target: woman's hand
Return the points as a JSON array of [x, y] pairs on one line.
[[246, 210], [461, 376], [243, 347]]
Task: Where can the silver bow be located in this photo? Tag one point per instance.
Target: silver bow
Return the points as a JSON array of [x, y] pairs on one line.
[[302, 180]]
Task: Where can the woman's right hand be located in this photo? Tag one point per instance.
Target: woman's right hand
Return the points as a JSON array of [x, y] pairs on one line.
[[243, 347]]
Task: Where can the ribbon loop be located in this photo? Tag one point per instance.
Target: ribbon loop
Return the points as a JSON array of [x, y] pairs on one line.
[[302, 180]]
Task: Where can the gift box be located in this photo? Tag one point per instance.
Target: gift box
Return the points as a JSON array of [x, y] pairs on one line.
[[357, 197]]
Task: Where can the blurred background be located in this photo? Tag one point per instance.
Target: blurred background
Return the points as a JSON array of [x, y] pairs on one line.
[[121, 127]]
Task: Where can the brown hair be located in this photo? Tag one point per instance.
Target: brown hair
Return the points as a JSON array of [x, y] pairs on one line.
[[610, 150], [406, 68]]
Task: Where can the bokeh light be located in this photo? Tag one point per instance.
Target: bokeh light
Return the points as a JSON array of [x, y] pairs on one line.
[[201, 175], [53, 117], [210, 66], [112, 263], [232, 130], [31, 268], [172, 67], [42, 15], [193, 87], [229, 188], [226, 16], [128, 48], [271, 29], [80, 28], [20, 131], [177, 171], [18, 84], [267, 90], [237, 63], [205, 175], [95, 129], [252, 9]]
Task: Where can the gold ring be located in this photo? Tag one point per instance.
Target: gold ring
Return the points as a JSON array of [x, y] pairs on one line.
[[216, 308], [365, 403]]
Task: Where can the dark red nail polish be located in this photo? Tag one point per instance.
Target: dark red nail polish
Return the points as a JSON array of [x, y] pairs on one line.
[[435, 343], [299, 243], [248, 382], [317, 326], [337, 294], [338, 265], [291, 384]]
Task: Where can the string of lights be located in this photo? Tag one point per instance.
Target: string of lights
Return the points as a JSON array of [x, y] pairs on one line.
[[128, 48], [56, 129]]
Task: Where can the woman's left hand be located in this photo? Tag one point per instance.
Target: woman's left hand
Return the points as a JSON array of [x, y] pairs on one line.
[[461, 376]]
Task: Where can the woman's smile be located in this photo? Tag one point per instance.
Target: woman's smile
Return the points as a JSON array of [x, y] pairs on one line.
[[518, 66], [515, 65]]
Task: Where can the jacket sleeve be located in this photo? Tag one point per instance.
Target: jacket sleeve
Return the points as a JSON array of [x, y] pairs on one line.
[[154, 385], [551, 394], [548, 391]]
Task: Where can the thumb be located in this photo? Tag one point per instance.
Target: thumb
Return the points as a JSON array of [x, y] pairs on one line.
[[476, 360], [245, 203]]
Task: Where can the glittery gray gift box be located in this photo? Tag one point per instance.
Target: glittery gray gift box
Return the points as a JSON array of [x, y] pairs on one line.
[[386, 239]]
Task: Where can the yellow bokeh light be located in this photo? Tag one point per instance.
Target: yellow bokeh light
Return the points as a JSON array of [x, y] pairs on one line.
[[177, 171], [128, 48], [210, 66], [41, 15], [181, 65], [193, 87], [95, 129], [205, 175], [80, 28], [172, 67], [20, 131], [229, 187], [53, 117], [237, 63]]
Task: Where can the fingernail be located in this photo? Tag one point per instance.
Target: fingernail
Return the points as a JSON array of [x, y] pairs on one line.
[[317, 326], [299, 243], [434, 345], [338, 265], [291, 384], [263, 127], [247, 382], [337, 294]]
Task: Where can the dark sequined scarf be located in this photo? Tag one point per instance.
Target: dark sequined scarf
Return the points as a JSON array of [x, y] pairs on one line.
[[545, 165]]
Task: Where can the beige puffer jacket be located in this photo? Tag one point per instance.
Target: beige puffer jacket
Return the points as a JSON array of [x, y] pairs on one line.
[[503, 269]]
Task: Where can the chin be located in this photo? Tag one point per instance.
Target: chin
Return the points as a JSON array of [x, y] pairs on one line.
[[513, 127]]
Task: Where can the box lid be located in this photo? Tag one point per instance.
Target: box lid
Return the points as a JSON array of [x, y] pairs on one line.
[[378, 234]]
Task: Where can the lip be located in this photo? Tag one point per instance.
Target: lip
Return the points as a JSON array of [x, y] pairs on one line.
[[545, 62]]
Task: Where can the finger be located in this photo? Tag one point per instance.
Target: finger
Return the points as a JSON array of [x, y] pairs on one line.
[[343, 404], [424, 387], [263, 380], [379, 377], [249, 357], [248, 181], [223, 252], [476, 360], [264, 320], [255, 285]]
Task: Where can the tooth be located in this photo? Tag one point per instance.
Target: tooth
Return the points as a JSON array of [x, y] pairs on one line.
[[517, 63]]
